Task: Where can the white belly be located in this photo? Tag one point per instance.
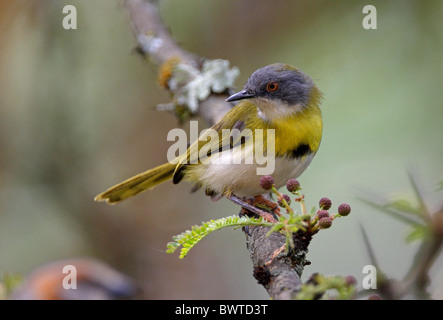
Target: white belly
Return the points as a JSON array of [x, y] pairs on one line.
[[242, 179]]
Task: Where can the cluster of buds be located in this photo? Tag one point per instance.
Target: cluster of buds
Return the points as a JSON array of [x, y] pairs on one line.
[[321, 219], [323, 216]]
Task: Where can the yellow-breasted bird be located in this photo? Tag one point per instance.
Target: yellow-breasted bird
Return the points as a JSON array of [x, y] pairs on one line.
[[277, 97]]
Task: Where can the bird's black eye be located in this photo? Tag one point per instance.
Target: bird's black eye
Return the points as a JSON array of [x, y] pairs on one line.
[[272, 86]]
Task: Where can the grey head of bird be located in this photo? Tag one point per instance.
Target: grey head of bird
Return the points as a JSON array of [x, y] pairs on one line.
[[278, 82]]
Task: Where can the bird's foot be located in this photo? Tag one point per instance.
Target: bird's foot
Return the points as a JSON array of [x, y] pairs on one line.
[[248, 206], [260, 201]]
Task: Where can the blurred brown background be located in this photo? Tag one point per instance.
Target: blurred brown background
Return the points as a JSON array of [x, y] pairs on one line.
[[77, 115]]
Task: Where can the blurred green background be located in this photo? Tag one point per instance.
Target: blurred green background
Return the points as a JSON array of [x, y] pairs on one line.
[[77, 116]]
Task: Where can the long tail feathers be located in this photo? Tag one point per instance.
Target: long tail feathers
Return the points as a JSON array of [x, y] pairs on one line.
[[141, 182]]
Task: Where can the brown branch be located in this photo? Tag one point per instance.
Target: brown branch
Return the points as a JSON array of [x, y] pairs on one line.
[[278, 272], [417, 279], [153, 37], [276, 269], [155, 42]]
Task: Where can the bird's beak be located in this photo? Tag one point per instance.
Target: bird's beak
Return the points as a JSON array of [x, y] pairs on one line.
[[241, 95]]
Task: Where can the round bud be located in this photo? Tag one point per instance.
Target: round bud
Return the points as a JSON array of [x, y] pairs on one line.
[[288, 200], [293, 185], [344, 209], [322, 214], [351, 281], [325, 203], [266, 182], [325, 222]]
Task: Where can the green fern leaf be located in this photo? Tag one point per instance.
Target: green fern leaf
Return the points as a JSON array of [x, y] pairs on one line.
[[188, 239]]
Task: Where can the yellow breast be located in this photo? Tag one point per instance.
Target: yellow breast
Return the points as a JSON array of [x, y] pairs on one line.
[[298, 130]]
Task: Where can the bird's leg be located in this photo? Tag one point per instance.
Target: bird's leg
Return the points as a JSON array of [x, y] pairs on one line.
[[265, 215]]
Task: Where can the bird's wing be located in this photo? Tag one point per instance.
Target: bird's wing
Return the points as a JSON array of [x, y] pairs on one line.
[[224, 135]]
